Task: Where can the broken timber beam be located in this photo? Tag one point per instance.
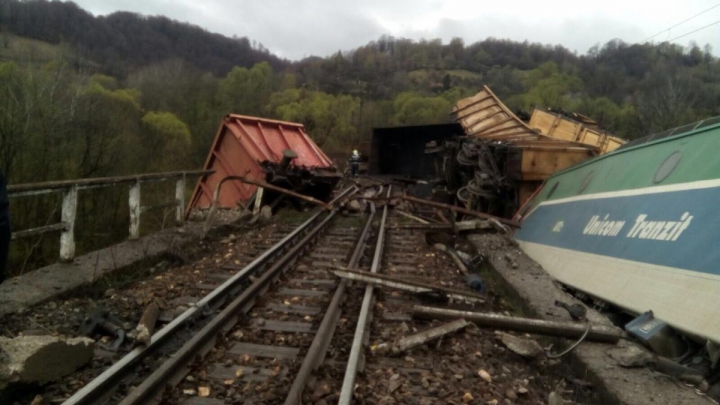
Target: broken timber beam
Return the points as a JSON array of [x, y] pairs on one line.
[[146, 326], [598, 333], [461, 210], [405, 285], [408, 342]]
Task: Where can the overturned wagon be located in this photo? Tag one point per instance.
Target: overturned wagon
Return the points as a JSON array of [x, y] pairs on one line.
[[276, 152]]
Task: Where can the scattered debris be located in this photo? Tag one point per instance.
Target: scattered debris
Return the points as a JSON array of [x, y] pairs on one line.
[[265, 213], [354, 206], [40, 359], [146, 326], [475, 283], [529, 348], [634, 356], [472, 225], [409, 342], [485, 376], [101, 321], [660, 337], [555, 399], [394, 383], [598, 333], [453, 255], [576, 311]]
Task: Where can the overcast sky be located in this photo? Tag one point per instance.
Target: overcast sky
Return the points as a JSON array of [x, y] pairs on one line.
[[299, 28]]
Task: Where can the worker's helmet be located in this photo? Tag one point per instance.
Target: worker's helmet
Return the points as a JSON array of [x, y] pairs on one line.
[[355, 152]]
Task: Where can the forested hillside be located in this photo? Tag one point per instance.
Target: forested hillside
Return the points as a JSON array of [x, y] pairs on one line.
[[127, 93]]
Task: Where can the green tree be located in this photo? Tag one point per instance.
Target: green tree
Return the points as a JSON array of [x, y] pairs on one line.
[[328, 119], [172, 138], [246, 91]]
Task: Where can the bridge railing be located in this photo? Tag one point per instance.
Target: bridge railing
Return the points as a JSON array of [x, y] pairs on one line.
[[69, 190]]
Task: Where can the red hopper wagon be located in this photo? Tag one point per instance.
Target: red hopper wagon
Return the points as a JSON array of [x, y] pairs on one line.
[[277, 152]]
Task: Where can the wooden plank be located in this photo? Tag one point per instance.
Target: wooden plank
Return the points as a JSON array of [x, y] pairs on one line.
[[301, 293], [284, 326], [276, 352], [409, 342], [294, 309], [327, 256], [218, 371]]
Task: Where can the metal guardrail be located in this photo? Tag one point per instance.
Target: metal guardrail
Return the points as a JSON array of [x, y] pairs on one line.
[[70, 188]]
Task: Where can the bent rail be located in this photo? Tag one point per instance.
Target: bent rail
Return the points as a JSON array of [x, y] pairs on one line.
[[70, 188]]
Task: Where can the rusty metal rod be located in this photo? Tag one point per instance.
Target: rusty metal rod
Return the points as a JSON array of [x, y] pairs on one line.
[[406, 285], [460, 210], [598, 333], [284, 191]]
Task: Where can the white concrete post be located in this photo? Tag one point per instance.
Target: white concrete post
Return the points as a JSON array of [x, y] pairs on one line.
[[134, 202], [258, 200], [67, 237], [180, 201]]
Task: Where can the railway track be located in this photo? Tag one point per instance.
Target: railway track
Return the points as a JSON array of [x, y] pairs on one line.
[[284, 329]]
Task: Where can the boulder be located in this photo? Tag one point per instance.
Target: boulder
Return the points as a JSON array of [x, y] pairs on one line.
[[40, 359]]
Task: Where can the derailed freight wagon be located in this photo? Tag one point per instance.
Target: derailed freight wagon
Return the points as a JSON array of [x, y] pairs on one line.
[[277, 152], [509, 158]]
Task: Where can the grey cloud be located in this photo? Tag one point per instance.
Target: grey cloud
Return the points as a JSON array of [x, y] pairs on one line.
[[298, 28]]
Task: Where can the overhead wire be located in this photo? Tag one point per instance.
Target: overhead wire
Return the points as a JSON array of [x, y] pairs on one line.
[[694, 31], [683, 22]]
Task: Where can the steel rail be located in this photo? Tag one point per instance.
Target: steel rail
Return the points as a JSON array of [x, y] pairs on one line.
[[99, 389], [319, 346], [353, 363]]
